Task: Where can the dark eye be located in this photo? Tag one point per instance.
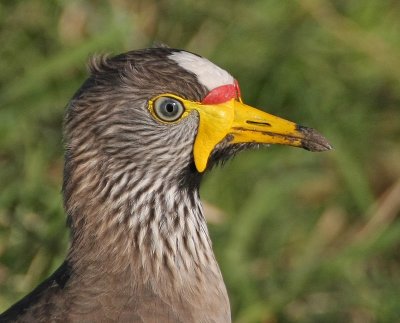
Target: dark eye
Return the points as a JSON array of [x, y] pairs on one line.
[[168, 109]]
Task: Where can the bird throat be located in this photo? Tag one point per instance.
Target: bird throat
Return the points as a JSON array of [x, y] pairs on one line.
[[138, 228]]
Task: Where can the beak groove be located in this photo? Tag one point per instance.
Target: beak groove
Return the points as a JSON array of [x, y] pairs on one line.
[[259, 123]]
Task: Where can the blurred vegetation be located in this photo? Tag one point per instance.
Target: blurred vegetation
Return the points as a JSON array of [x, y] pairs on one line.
[[304, 237]]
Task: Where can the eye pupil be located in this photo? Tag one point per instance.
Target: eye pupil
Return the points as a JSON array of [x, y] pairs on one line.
[[168, 109]]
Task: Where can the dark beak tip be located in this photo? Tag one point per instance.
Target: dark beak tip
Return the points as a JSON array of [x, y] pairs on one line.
[[313, 140], [316, 147]]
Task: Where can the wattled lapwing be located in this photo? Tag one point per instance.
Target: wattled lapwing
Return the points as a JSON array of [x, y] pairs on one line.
[[139, 135]]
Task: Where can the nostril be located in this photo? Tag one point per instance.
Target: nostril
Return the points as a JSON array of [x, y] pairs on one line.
[[259, 123]]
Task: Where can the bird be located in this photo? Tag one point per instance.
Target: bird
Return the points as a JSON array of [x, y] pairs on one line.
[[139, 135]]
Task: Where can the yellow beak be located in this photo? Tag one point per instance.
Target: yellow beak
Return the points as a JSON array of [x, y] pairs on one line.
[[246, 124]]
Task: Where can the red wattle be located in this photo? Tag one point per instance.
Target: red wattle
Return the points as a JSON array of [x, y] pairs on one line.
[[222, 94]]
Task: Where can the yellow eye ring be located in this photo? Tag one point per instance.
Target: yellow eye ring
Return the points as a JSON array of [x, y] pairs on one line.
[[167, 108]]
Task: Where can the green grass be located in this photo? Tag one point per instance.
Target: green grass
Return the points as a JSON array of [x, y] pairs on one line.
[[305, 237]]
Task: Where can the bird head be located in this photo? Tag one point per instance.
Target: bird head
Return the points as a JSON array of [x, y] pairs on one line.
[[170, 111]]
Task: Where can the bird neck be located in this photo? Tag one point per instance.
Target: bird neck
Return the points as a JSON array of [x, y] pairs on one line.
[[148, 226]]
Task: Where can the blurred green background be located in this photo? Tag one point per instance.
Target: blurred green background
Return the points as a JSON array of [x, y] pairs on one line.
[[300, 237]]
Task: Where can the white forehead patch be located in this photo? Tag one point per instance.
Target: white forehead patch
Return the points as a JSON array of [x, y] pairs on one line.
[[208, 74]]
